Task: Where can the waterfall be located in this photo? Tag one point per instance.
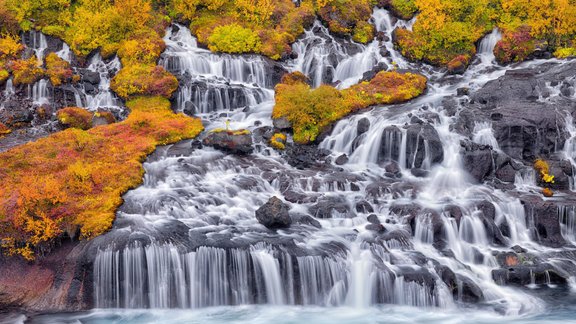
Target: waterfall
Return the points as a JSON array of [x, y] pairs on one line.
[[104, 98], [400, 221]]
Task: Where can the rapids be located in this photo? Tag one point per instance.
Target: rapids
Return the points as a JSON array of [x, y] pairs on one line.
[[403, 222]]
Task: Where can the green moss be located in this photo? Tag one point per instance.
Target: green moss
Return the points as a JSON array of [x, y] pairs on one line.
[[363, 32], [565, 52]]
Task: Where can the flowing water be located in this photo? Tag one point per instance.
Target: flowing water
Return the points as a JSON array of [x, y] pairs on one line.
[[187, 238]]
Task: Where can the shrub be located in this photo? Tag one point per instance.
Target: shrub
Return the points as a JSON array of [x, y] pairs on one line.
[[4, 75], [58, 70], [145, 49], [75, 117], [234, 39], [74, 180], [278, 141], [405, 9], [10, 47], [565, 52], [363, 32], [137, 80], [4, 130], [515, 46], [26, 71], [310, 111]]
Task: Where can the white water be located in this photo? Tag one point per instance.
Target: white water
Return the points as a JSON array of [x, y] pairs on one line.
[[188, 238]]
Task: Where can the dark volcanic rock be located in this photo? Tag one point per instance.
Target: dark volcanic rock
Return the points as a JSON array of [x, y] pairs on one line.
[[230, 142], [327, 207], [477, 160], [274, 214], [422, 140], [545, 214]]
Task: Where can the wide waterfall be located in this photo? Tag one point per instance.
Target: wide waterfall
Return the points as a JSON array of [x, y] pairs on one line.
[[392, 213]]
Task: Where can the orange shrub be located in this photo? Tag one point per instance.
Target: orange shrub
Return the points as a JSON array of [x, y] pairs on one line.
[[75, 117], [58, 70], [4, 130], [26, 71], [74, 180], [10, 47]]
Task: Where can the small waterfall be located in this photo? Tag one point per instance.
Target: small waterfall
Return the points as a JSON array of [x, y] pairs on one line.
[[484, 134], [39, 45], [40, 93], [567, 215], [9, 90], [570, 148], [486, 47], [383, 23], [104, 98], [212, 82], [65, 53]]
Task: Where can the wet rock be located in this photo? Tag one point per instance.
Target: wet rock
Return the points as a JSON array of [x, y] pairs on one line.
[[506, 173], [364, 207], [453, 211], [469, 291], [448, 277], [477, 160], [373, 218], [282, 123], [363, 126], [274, 214], [305, 156], [487, 208], [518, 249], [545, 214], [420, 173], [399, 238], [299, 198], [305, 220], [521, 275], [376, 228], [328, 207], [422, 141], [369, 75], [90, 76], [232, 142], [462, 92], [341, 160]]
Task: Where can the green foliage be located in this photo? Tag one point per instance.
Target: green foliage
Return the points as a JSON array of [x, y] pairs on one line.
[[234, 39], [347, 17], [363, 32], [565, 52], [310, 111]]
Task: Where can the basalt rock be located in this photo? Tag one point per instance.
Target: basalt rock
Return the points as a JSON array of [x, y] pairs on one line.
[[274, 214], [233, 142]]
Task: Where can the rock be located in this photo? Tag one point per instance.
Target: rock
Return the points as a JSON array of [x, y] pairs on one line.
[[419, 138], [305, 156], [506, 173], [518, 249], [90, 76], [282, 123], [477, 160], [327, 207], [369, 75], [521, 275], [546, 229], [470, 292], [274, 214], [232, 142], [305, 220], [373, 218], [376, 228], [299, 198], [420, 173], [363, 126], [462, 92], [364, 207], [341, 160]]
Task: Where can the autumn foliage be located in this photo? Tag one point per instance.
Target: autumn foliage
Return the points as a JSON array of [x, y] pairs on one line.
[[311, 110], [75, 117], [137, 80], [58, 70], [72, 181]]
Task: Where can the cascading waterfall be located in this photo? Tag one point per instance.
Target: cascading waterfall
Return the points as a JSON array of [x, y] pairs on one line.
[[212, 82], [216, 253]]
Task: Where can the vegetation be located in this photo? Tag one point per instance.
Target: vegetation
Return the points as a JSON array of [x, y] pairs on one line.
[[4, 130], [75, 117], [544, 171], [58, 70], [72, 181], [278, 141], [136, 80], [26, 71], [446, 29], [234, 39], [348, 17], [311, 110]]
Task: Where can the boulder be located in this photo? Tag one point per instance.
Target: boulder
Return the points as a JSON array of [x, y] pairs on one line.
[[422, 141], [274, 214], [235, 142], [477, 160]]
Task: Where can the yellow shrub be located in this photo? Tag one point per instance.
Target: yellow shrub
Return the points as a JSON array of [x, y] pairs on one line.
[[58, 70], [137, 80], [10, 47], [26, 71], [234, 39], [278, 141]]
